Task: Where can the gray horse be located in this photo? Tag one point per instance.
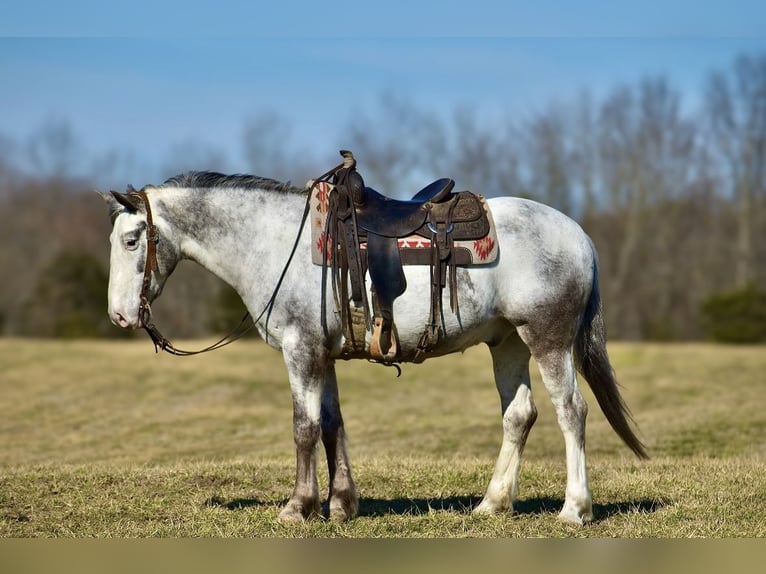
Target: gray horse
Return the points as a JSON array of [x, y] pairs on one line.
[[540, 298]]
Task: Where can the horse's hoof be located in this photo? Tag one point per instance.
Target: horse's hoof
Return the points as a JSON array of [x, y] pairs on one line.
[[486, 508], [296, 512], [343, 513], [344, 506], [339, 514], [572, 515], [290, 517]]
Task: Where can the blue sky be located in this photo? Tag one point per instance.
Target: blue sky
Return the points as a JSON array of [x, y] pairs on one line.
[[141, 77]]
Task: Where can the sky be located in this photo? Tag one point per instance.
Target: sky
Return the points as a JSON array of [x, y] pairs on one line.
[[144, 78]]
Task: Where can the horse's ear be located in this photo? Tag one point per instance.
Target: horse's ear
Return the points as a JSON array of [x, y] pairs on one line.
[[128, 201], [107, 197], [117, 203]]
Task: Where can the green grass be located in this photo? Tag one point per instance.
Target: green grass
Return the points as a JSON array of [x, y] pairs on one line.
[[106, 439]]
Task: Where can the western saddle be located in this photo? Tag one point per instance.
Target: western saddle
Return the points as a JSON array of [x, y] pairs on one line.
[[356, 230]]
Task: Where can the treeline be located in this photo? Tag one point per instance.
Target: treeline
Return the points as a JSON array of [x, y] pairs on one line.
[[674, 198]]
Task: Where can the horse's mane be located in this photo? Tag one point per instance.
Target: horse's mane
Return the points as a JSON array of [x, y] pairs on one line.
[[210, 179]]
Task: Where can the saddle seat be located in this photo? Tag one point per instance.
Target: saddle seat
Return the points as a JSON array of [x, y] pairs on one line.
[[382, 215]]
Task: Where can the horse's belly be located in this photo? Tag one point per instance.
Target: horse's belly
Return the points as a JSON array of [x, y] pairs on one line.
[[472, 322]]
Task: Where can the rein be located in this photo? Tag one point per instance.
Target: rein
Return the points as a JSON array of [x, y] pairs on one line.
[[246, 323]]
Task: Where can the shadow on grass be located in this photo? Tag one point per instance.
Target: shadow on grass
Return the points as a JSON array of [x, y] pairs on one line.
[[238, 503], [530, 506], [415, 506], [372, 507], [546, 505]]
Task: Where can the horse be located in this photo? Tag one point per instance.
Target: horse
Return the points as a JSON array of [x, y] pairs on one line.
[[539, 299]]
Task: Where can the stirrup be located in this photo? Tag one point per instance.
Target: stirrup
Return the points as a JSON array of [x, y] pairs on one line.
[[375, 347], [354, 335]]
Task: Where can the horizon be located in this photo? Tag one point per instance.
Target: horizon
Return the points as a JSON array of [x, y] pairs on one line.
[[146, 95]]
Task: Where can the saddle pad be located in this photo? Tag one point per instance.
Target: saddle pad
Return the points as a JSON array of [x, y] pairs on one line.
[[473, 252]]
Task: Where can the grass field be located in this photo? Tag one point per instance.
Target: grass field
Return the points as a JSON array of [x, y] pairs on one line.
[[106, 439]]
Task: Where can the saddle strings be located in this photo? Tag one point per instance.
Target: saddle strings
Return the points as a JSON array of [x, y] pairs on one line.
[[247, 322], [339, 262]]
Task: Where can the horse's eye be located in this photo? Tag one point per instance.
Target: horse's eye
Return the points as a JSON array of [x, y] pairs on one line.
[[131, 244]]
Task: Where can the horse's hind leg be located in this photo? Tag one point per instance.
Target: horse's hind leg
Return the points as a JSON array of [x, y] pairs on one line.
[[343, 497], [510, 360], [558, 373]]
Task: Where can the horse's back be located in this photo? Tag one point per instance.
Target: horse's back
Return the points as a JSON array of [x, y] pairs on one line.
[[544, 254], [544, 269], [528, 222]]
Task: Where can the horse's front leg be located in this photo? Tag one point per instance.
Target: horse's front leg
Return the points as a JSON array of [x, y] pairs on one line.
[[306, 369], [343, 498]]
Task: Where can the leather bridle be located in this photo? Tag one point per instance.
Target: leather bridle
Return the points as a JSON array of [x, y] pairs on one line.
[[145, 309], [151, 265]]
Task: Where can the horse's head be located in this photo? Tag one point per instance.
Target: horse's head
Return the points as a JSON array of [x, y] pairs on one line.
[[134, 278]]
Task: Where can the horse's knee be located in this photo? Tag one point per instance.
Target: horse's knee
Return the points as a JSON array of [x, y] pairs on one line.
[[306, 426]]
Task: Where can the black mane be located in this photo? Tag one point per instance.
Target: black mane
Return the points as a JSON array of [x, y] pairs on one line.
[[209, 179]]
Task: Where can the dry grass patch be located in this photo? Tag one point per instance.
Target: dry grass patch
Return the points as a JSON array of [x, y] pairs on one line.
[[106, 439]]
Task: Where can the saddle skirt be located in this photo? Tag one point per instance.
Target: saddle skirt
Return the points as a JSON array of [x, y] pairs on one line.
[[415, 248]]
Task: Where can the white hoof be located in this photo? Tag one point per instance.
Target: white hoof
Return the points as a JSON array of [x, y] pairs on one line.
[[574, 515], [485, 507]]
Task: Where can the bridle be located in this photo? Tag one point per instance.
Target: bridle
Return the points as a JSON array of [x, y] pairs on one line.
[[145, 309], [151, 265], [162, 343]]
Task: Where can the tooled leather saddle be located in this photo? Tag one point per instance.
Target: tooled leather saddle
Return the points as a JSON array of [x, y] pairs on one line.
[[356, 230]]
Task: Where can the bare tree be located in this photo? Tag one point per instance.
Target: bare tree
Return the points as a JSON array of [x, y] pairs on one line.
[[669, 144], [736, 109], [269, 152], [584, 157], [394, 148], [8, 169], [619, 171], [407, 146], [549, 159], [646, 156], [484, 156]]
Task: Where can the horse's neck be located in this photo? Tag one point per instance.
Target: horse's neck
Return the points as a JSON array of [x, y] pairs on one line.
[[232, 232]]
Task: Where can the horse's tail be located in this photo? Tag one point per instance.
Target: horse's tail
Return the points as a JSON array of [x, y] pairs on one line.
[[592, 362]]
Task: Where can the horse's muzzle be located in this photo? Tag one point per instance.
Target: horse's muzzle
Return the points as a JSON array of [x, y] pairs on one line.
[[119, 320]]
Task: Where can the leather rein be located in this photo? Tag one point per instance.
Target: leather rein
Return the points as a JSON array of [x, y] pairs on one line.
[[151, 265]]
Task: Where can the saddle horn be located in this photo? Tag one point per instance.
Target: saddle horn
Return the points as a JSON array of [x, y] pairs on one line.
[[348, 158]]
